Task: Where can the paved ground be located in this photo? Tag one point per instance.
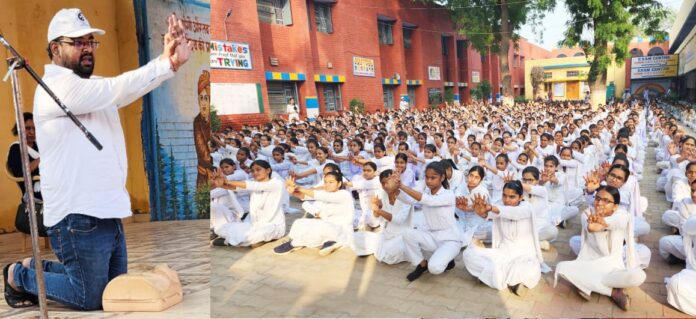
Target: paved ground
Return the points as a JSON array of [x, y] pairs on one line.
[[255, 282], [183, 245]]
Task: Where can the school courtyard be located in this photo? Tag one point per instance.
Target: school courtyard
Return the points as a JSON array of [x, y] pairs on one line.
[[258, 283]]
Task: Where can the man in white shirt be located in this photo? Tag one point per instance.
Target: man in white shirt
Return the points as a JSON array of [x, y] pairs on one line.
[[84, 189]]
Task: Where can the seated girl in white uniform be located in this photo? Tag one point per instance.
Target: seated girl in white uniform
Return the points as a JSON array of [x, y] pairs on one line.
[[563, 198], [394, 211], [366, 184], [515, 260], [231, 204], [672, 247], [499, 172], [405, 170], [441, 235], [601, 266], [681, 290], [681, 191], [616, 177], [267, 220], [475, 227], [333, 210], [537, 196]]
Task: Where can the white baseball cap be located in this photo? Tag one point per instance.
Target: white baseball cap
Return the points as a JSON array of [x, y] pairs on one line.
[[70, 23]]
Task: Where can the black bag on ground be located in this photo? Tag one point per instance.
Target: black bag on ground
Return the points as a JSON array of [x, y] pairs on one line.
[[22, 219]]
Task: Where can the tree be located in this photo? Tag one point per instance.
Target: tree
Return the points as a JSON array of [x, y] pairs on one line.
[[612, 24], [492, 25], [537, 80]]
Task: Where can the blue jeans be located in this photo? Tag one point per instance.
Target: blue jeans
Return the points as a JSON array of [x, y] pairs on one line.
[[90, 251]]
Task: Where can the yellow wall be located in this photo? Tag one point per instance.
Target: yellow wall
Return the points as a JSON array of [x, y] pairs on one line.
[[25, 24], [614, 73]]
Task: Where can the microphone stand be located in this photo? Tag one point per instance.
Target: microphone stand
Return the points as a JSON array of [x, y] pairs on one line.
[[15, 63]]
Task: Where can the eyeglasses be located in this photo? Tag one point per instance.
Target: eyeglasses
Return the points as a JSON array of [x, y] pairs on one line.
[[81, 44], [603, 200], [614, 176]]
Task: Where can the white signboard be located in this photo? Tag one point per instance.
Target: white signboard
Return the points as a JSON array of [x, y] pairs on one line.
[[363, 66], [559, 89], [234, 98], [475, 77], [230, 55], [434, 73]]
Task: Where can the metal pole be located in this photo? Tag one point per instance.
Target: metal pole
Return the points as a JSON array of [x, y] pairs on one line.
[[29, 187]]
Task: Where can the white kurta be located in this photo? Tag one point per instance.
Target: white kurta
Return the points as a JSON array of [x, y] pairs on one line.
[[366, 188], [681, 290], [515, 256], [474, 226], [267, 220], [335, 222], [387, 245], [600, 265]]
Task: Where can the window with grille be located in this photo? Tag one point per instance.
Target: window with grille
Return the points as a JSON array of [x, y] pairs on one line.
[[322, 12], [385, 32], [572, 73], [388, 95], [408, 34], [274, 11], [332, 98], [547, 75]]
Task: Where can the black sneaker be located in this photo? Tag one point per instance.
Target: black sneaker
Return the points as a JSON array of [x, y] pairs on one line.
[[218, 242], [284, 248], [450, 266], [328, 247], [415, 274]]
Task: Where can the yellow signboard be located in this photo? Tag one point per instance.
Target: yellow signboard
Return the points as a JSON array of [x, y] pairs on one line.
[[654, 72], [654, 61]]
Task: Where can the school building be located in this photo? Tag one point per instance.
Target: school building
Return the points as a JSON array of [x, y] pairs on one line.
[[325, 53], [565, 72], [684, 46]]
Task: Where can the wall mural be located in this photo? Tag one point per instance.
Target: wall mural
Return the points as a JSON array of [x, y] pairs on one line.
[[177, 114]]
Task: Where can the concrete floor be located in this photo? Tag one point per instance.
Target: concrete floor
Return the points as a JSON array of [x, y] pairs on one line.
[[183, 245], [255, 282]]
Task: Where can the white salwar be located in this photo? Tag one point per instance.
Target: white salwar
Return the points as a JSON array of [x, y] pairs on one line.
[[335, 222], [681, 288], [600, 266], [515, 256], [388, 245], [267, 220], [441, 234]]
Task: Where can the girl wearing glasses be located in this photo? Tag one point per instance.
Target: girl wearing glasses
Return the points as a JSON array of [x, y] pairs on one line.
[[600, 266], [537, 196]]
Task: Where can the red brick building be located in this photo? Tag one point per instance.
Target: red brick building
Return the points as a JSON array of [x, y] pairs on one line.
[[325, 53]]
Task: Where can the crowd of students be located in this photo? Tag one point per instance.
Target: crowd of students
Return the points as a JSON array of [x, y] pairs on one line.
[[485, 184]]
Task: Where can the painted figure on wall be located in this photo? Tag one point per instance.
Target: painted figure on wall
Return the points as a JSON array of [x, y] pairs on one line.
[[201, 129]]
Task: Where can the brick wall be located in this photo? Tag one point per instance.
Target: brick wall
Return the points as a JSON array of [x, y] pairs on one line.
[[301, 48]]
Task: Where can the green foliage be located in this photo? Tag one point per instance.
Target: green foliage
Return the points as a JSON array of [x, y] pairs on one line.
[[449, 94], [484, 89], [214, 119], [480, 21], [520, 99], [357, 106], [202, 199], [614, 21], [188, 210]]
